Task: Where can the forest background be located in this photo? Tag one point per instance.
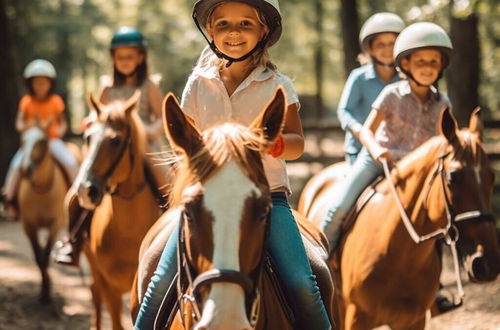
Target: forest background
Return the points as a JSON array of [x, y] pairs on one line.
[[318, 49]]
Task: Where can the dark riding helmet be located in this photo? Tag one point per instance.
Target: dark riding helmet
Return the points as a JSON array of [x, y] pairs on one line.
[[269, 9], [128, 36]]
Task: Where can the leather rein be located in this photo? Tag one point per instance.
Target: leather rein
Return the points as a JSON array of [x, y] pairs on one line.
[[450, 232]]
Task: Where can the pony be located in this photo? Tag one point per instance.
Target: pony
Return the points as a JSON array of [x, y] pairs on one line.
[[221, 201], [41, 198], [388, 263], [111, 182]]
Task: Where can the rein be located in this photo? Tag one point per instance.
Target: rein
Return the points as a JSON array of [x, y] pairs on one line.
[[215, 276], [450, 232], [115, 192]]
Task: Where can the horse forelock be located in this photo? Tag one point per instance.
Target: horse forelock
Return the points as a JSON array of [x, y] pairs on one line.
[[221, 144], [113, 116]]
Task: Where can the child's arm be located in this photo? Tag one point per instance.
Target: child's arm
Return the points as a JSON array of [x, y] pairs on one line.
[[368, 136], [63, 125], [155, 129], [348, 103], [21, 125], [293, 136]]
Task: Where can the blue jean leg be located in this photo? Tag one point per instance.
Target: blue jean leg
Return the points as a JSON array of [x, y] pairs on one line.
[[362, 173], [351, 158], [159, 284], [288, 253]]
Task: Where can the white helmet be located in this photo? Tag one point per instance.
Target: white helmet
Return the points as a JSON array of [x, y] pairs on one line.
[[380, 23], [422, 35], [39, 68], [270, 9]]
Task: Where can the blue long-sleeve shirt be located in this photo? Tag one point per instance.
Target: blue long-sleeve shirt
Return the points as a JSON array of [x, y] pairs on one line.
[[360, 90]]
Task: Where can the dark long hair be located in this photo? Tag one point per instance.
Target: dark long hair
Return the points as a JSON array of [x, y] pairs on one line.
[[141, 71]]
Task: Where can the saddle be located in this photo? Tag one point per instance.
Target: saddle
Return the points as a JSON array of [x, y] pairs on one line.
[[363, 199], [314, 242]]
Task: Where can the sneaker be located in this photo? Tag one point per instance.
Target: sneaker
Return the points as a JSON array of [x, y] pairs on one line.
[[63, 254], [10, 211]]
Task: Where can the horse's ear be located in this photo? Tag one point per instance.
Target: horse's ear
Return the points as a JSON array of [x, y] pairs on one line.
[[94, 103], [178, 127], [272, 119], [132, 102], [448, 125], [476, 124]]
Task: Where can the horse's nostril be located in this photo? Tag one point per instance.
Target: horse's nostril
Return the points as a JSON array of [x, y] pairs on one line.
[[93, 193], [480, 268]]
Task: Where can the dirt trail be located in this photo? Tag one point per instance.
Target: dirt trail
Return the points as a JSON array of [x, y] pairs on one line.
[[19, 288]]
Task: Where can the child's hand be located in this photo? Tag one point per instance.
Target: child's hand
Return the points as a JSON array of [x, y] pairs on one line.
[[278, 147], [384, 154]]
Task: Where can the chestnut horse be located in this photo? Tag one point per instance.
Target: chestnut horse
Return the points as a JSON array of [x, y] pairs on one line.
[[112, 183], [222, 200], [41, 196], [387, 268]]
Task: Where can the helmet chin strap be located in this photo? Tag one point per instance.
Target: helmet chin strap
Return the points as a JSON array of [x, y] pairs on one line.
[[231, 60], [433, 87], [388, 66]]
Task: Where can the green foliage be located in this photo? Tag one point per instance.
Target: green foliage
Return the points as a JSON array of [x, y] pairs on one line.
[[75, 36]]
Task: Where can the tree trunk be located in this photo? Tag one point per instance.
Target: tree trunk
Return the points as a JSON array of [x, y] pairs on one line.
[[350, 31], [463, 73], [318, 59], [9, 94]]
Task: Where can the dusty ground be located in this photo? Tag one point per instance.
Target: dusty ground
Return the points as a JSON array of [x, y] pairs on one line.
[[19, 287]]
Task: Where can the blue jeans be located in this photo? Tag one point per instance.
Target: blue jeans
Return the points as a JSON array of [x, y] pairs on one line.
[[287, 251], [350, 158], [361, 174]]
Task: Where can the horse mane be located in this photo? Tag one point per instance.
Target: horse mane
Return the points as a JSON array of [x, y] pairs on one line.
[[221, 144], [467, 145]]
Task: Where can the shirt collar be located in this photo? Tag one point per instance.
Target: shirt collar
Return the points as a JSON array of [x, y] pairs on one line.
[[370, 72], [260, 73], [404, 87]]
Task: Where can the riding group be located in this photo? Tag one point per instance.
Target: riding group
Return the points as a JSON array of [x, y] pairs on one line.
[[207, 238]]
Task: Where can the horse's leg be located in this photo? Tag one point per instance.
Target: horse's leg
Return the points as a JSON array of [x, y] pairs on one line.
[[113, 301], [419, 325], [356, 319], [95, 290], [44, 265], [97, 302], [32, 234]]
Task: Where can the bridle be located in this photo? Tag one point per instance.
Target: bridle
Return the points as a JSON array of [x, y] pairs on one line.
[[449, 233], [101, 181], [189, 289]]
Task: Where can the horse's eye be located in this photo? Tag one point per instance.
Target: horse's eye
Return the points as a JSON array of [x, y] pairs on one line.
[[455, 177], [115, 141]]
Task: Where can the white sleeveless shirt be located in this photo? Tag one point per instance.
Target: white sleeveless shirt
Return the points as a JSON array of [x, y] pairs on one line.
[[206, 101]]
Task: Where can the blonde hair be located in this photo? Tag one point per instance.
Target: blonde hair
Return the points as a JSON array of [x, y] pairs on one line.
[[259, 57]]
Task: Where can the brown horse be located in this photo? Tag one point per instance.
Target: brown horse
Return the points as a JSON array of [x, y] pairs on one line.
[[387, 270], [112, 182], [41, 196], [221, 199]]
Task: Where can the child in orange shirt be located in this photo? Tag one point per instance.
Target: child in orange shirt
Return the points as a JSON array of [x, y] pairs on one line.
[[40, 105]]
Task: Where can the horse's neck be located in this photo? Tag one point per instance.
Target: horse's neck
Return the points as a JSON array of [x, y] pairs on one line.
[[414, 194], [136, 177], [43, 174]]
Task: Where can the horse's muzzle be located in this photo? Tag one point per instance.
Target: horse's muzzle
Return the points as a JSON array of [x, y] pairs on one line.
[[480, 268], [90, 195]]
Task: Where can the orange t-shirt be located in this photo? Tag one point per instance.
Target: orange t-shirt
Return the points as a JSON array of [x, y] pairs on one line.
[[53, 106]]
